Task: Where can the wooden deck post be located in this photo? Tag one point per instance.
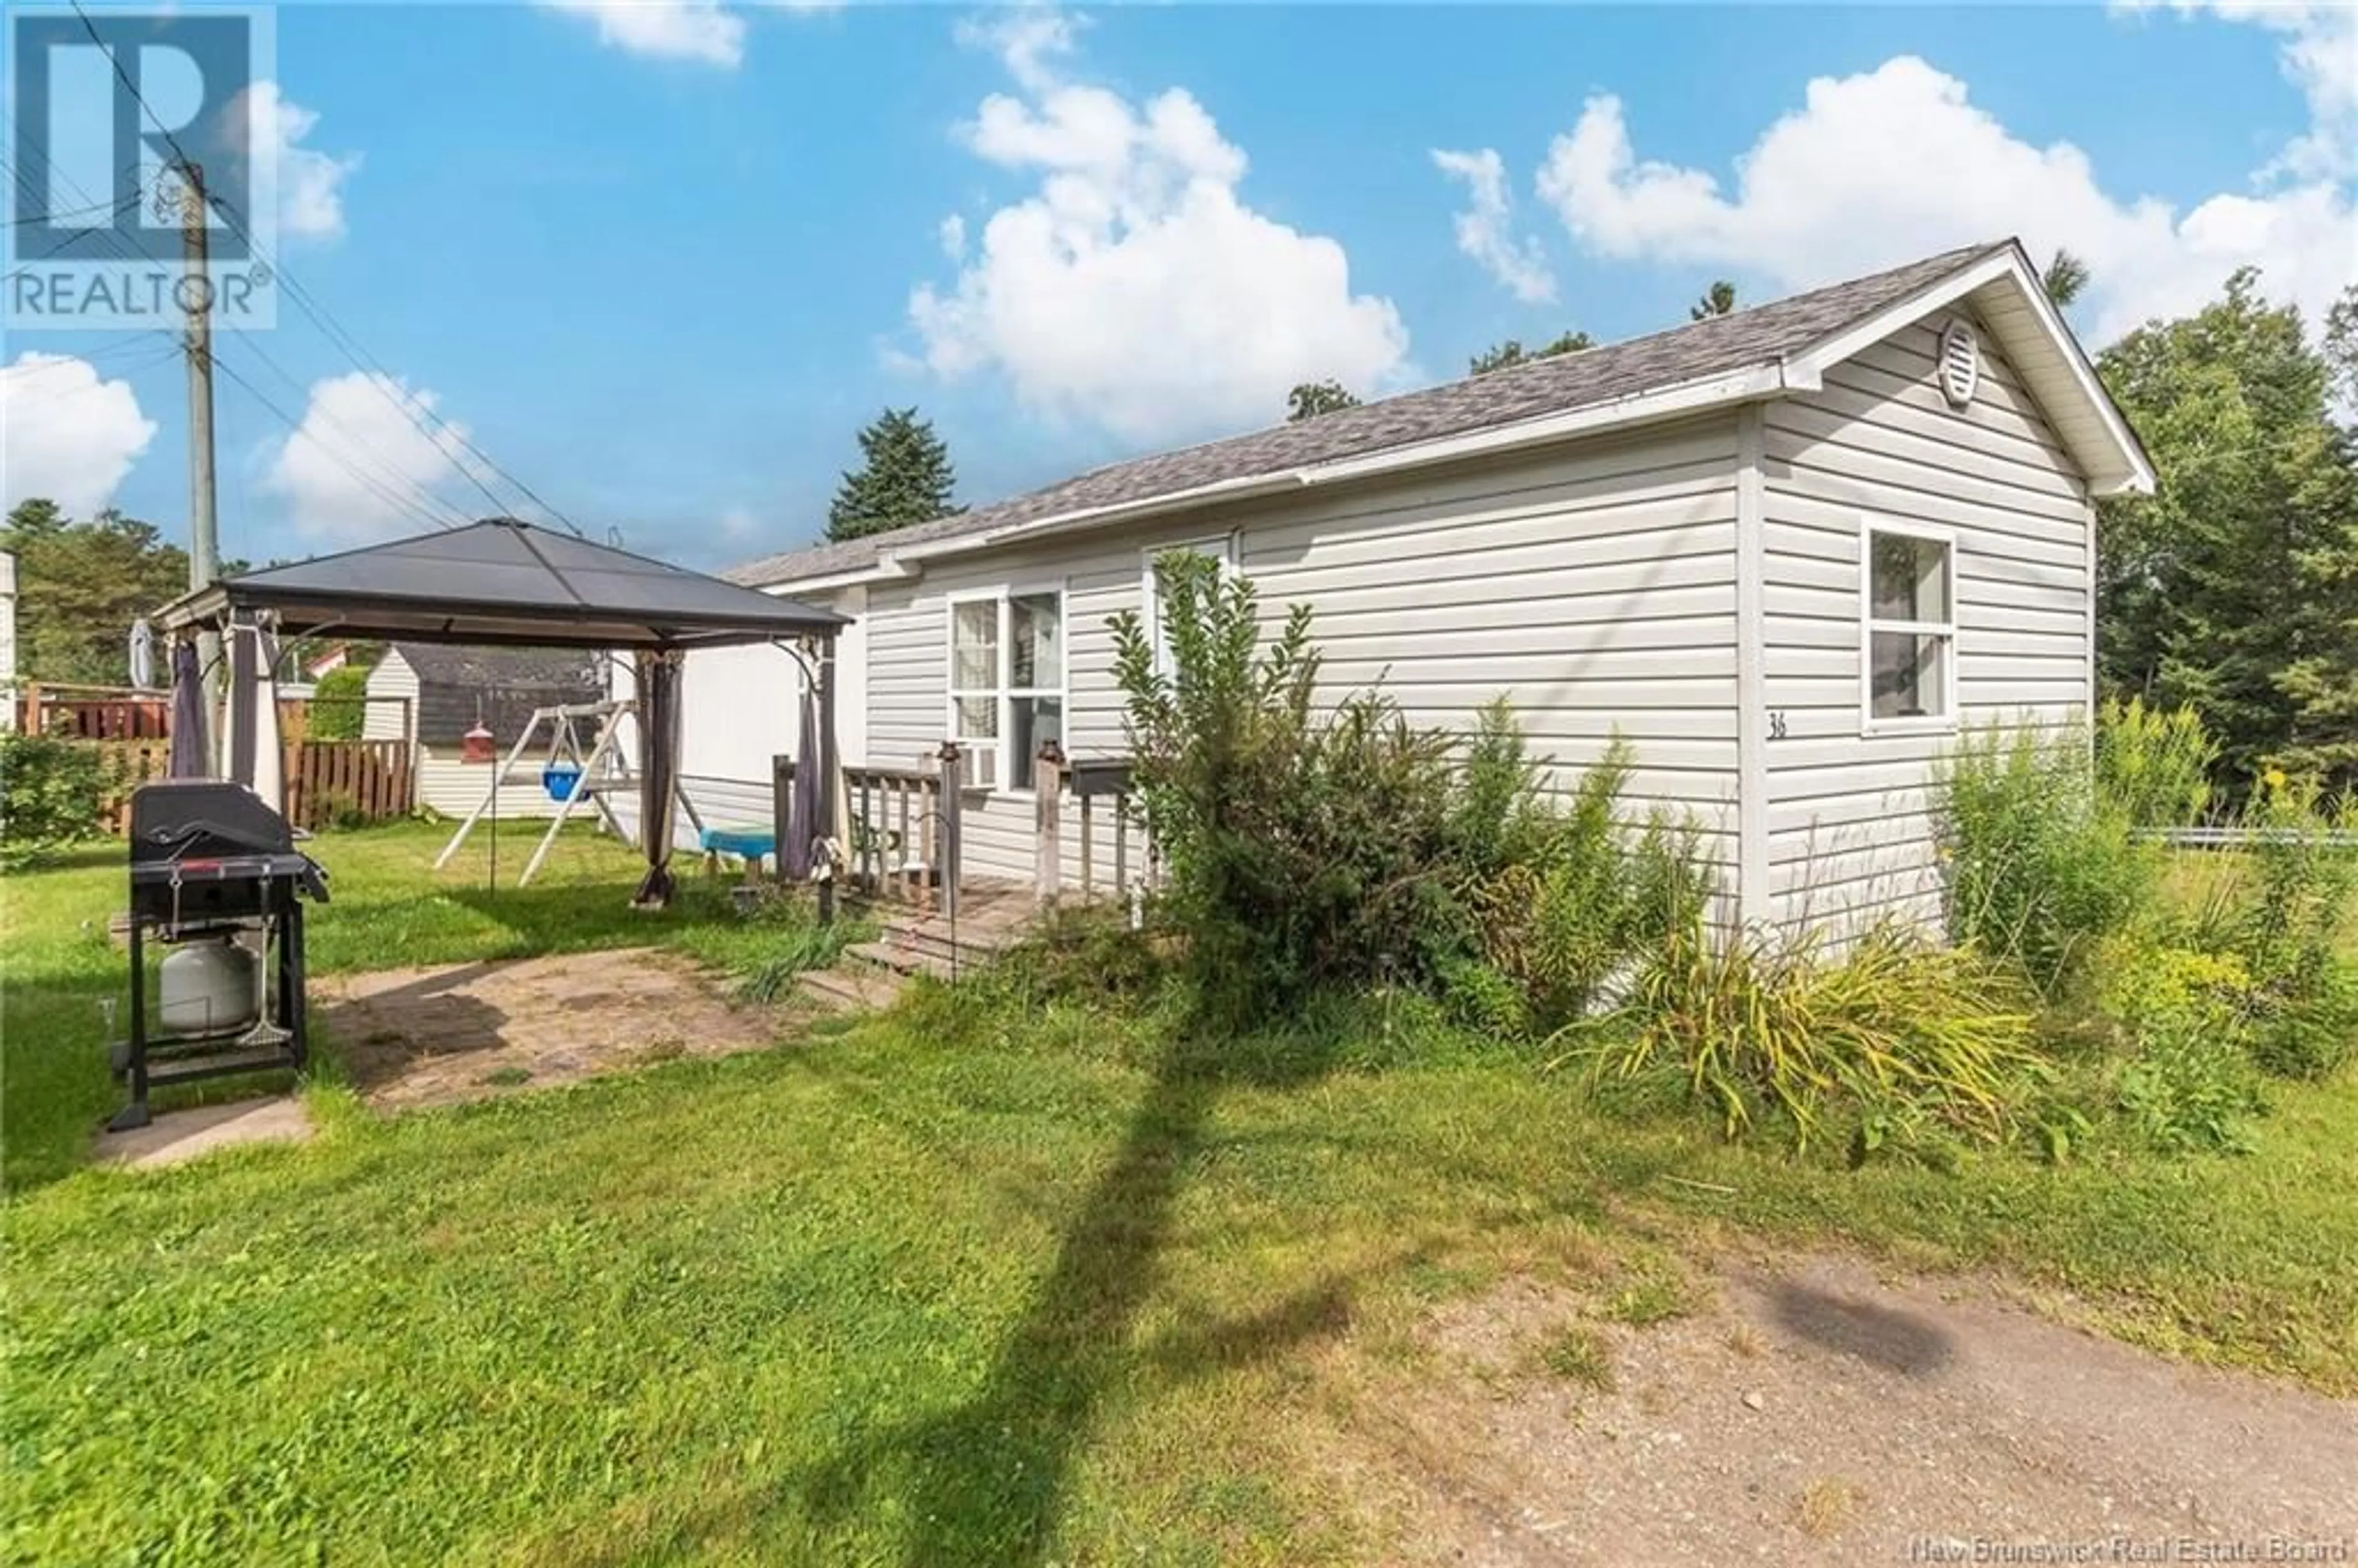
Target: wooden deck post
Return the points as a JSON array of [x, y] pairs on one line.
[[1048, 789]]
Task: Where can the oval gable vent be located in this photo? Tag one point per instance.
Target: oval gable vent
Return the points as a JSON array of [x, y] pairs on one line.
[[1961, 363]]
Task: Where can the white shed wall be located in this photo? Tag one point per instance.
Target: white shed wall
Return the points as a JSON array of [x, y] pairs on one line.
[[1850, 838], [391, 711]]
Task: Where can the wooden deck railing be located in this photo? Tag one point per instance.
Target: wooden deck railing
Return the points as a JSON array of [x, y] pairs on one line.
[[901, 835], [92, 712], [1100, 792]]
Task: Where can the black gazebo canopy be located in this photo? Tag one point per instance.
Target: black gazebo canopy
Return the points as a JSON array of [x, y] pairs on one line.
[[506, 582], [501, 581]]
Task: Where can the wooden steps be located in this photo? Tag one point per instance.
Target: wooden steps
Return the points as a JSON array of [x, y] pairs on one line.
[[871, 975]]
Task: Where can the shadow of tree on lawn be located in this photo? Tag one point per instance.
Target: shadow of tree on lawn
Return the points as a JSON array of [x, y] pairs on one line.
[[987, 1482]]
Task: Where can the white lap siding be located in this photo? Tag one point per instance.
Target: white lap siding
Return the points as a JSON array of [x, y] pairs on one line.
[[1594, 586], [1850, 837]]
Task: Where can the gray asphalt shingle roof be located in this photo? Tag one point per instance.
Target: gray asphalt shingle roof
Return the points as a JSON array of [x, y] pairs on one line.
[[1718, 346]]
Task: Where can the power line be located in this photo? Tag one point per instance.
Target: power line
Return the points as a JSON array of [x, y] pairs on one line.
[[422, 496], [368, 364], [366, 481], [154, 357], [66, 361], [321, 317]]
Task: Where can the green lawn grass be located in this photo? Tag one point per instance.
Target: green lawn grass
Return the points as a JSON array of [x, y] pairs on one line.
[[981, 1280], [388, 907]]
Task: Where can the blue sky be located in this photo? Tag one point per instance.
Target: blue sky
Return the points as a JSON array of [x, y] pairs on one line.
[[661, 263]]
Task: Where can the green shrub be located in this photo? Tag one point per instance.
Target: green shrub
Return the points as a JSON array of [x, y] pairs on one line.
[[1309, 850], [338, 708], [1590, 900], [1756, 1029], [2187, 1091], [2188, 1019], [2314, 1036], [2042, 865], [1479, 997], [2152, 991], [2299, 890], [51, 791], [2153, 765], [1082, 952]]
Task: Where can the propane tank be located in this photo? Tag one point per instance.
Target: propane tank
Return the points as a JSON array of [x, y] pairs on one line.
[[206, 987]]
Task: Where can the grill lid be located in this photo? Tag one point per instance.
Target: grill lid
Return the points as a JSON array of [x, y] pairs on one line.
[[203, 819]]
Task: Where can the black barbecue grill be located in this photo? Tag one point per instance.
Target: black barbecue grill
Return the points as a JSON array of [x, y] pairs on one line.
[[212, 863]]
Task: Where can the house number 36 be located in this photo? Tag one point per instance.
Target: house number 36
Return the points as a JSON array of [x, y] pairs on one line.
[[1777, 724]]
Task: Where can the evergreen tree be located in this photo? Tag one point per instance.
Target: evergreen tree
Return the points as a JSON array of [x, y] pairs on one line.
[[1498, 356], [1717, 300], [81, 585], [2064, 278], [905, 477], [1311, 398], [2235, 587]]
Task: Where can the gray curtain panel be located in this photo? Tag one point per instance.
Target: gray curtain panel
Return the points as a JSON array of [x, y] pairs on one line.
[[191, 757], [802, 807], [658, 685]]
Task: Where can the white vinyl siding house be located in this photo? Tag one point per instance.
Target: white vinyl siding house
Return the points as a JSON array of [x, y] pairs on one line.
[[1784, 553], [1592, 586]]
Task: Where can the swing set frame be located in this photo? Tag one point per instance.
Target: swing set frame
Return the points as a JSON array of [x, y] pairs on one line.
[[565, 746]]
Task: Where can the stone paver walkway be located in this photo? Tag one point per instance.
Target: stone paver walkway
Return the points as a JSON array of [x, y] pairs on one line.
[[465, 1032]]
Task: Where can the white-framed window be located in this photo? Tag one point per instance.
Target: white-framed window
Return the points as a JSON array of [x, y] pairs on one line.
[[1006, 681], [1908, 633], [1221, 547]]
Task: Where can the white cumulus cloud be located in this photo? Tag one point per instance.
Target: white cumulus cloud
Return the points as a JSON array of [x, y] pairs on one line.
[[704, 32], [701, 30], [66, 432], [310, 182], [1486, 230], [1899, 162], [1134, 288], [369, 458]]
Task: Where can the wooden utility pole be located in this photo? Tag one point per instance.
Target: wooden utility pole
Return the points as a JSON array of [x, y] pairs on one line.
[[197, 304]]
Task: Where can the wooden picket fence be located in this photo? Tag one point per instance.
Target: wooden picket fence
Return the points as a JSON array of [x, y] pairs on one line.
[[340, 783], [329, 784]]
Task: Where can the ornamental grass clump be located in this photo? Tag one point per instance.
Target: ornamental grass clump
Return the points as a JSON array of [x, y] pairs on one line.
[[1780, 1033]]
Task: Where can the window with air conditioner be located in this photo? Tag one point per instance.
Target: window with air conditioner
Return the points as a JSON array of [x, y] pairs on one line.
[[1006, 682], [1909, 632]]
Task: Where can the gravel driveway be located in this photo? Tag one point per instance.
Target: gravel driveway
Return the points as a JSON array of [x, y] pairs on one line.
[[1813, 1410]]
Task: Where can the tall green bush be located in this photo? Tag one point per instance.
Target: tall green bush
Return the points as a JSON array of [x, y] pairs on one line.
[[2155, 765], [1586, 898], [2041, 863], [2303, 886], [1301, 847], [51, 793], [1310, 849]]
